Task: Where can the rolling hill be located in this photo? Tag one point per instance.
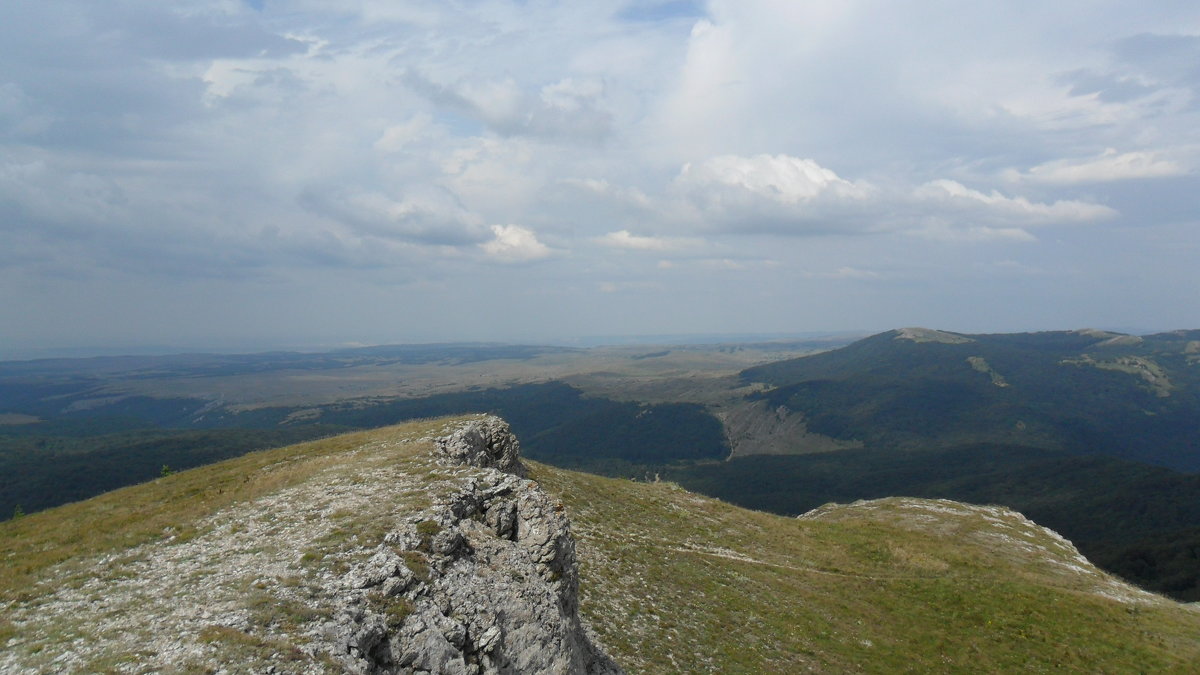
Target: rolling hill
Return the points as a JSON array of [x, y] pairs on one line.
[[1084, 392], [1095, 434]]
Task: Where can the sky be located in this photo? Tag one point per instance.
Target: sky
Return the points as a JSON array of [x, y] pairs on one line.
[[256, 174]]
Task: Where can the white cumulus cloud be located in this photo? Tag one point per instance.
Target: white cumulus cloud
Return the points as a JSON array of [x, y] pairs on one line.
[[770, 193], [513, 244], [778, 178]]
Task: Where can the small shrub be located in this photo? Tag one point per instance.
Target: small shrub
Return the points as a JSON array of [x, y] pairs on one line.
[[215, 633], [267, 610], [416, 563], [397, 611], [427, 529]]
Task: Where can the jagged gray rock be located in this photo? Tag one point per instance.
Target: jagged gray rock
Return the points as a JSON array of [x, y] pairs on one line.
[[485, 443], [495, 589]]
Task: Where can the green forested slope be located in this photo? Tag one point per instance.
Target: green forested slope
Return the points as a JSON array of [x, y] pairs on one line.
[[1081, 391]]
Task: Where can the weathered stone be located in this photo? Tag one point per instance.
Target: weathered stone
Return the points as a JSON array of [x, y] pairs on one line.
[[502, 592], [502, 518], [487, 442], [380, 567], [456, 635], [490, 639], [359, 640], [399, 583], [449, 543]]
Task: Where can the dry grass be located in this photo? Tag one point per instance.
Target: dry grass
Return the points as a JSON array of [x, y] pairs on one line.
[[166, 507]]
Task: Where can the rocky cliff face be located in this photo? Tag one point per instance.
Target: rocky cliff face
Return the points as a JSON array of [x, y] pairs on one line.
[[484, 581]]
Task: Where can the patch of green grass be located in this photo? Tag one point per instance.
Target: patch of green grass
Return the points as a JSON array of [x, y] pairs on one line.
[[669, 577], [268, 610], [417, 564], [427, 529], [394, 609], [117, 663], [238, 650], [374, 529]]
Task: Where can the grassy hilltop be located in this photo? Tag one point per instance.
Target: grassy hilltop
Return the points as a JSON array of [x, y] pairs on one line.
[[671, 581]]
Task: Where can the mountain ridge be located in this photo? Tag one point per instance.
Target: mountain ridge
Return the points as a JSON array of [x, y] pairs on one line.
[[419, 549], [668, 580], [1084, 391]]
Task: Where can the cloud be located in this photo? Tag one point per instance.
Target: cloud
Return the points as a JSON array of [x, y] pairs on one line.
[[780, 178], [1148, 79], [780, 194], [940, 229], [499, 177], [770, 193], [623, 286], [1108, 166], [432, 217], [1168, 58], [1107, 87], [725, 264], [951, 196], [567, 109], [397, 137], [852, 273], [515, 244], [662, 11], [789, 196], [374, 140], [625, 240], [631, 198]]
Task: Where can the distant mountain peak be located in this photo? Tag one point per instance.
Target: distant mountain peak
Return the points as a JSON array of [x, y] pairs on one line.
[[1097, 333], [918, 334], [1121, 341]]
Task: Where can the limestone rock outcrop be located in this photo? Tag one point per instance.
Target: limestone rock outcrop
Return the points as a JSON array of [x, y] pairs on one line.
[[484, 581], [485, 443]]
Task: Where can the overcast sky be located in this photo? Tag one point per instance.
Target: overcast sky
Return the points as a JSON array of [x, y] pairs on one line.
[[261, 173]]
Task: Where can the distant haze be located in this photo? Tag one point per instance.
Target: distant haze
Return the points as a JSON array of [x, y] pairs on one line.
[[215, 174]]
